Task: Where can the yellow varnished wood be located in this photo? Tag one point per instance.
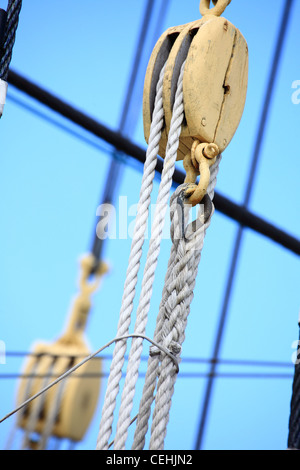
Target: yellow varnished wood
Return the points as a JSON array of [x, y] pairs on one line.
[[235, 84], [215, 82]]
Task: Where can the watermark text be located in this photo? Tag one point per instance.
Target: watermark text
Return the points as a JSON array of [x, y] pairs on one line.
[[296, 93]]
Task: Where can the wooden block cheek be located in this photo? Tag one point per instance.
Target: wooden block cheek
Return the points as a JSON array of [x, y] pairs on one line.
[[79, 397], [211, 82]]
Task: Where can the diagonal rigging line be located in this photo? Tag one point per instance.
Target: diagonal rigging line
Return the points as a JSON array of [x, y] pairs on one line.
[[42, 114], [222, 204], [238, 241], [86, 359]]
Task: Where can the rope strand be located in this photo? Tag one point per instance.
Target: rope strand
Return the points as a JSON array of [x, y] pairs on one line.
[[150, 267]]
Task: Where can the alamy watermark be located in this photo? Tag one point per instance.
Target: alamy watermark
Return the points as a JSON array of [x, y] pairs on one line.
[[119, 224], [2, 352], [296, 93]]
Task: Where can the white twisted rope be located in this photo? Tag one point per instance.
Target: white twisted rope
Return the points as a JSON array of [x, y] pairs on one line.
[[150, 266], [132, 270], [171, 322], [152, 368]]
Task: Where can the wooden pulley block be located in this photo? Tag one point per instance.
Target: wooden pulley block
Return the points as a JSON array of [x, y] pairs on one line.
[[75, 402], [67, 408], [214, 81]]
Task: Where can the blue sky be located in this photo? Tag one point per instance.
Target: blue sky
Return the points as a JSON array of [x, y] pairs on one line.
[[51, 182]]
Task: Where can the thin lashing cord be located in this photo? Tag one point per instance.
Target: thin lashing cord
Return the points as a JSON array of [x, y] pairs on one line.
[[150, 266], [66, 374], [132, 270]]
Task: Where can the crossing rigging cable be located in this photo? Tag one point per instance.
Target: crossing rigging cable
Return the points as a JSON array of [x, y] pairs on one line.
[[222, 204], [180, 278]]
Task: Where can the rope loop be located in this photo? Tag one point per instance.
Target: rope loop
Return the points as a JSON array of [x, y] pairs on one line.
[[181, 207], [217, 10]]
